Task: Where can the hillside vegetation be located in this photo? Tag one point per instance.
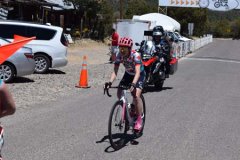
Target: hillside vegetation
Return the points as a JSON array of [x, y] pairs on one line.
[[220, 24]]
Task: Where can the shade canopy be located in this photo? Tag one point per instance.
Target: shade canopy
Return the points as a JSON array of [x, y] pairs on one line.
[[166, 22]]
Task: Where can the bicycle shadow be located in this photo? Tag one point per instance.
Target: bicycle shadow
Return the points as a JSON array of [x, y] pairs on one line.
[[154, 89], [128, 138]]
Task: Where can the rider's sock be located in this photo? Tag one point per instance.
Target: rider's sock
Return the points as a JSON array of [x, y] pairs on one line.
[[138, 124]]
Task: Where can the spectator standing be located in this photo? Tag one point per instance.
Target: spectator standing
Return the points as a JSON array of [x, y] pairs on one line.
[[115, 45]]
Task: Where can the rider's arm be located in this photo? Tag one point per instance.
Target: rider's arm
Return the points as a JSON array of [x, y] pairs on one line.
[[7, 105], [114, 73], [137, 74]]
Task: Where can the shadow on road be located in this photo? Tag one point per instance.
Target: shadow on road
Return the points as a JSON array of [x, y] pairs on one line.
[[22, 80], [154, 89], [128, 138], [53, 71]]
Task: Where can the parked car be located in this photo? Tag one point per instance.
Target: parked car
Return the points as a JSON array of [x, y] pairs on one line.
[[173, 36], [181, 38], [49, 47], [19, 64]]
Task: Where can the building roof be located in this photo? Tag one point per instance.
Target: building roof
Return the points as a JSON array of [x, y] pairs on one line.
[[60, 4], [56, 4]]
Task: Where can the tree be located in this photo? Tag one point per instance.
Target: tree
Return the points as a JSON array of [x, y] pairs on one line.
[[139, 7], [107, 18], [191, 15], [96, 16], [235, 29]]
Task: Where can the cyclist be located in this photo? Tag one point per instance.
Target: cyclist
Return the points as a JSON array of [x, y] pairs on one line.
[[7, 107], [134, 75], [160, 38]]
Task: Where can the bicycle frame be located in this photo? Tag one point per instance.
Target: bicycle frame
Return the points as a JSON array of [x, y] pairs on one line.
[[125, 108], [124, 101]]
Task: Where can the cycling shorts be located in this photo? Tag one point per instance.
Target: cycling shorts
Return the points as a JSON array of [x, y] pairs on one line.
[[127, 80]]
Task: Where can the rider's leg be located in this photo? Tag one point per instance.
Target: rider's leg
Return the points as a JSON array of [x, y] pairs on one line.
[[167, 65], [126, 79], [137, 101], [119, 93], [139, 108]]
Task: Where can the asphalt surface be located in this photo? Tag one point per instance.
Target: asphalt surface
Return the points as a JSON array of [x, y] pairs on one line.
[[194, 117]]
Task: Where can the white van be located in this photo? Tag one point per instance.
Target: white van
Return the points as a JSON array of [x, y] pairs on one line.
[[49, 47]]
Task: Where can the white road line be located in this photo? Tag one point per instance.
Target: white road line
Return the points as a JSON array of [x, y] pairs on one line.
[[210, 59]]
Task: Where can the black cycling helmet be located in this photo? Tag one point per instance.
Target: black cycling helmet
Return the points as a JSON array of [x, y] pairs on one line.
[[158, 31], [158, 34]]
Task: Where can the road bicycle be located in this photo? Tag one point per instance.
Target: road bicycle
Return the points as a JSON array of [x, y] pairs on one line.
[[122, 119]]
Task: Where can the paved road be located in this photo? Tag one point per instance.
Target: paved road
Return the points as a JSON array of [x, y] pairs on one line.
[[195, 117]]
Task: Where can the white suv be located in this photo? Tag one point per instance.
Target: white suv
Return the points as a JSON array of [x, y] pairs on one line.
[[49, 47]]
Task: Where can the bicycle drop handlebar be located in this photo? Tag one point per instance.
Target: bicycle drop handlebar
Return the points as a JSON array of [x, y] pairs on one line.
[[106, 90]]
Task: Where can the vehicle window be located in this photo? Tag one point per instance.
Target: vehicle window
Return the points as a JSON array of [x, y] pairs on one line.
[[3, 41], [177, 34], [7, 31], [64, 40], [40, 33], [170, 34]]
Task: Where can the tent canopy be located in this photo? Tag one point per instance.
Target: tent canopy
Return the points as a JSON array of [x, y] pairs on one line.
[[166, 22]]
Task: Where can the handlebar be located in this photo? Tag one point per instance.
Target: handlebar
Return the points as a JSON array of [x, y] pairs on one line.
[[106, 90]]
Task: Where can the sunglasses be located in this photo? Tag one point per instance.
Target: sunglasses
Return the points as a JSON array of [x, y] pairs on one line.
[[124, 51]]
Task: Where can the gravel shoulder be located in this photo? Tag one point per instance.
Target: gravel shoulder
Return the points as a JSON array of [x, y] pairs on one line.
[[60, 82]]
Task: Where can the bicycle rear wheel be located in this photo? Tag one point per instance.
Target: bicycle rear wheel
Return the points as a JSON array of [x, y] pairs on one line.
[[117, 127], [138, 134]]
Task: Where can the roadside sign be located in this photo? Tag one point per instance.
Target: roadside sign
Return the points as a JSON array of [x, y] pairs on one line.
[[190, 28], [216, 5], [219, 5], [179, 3]]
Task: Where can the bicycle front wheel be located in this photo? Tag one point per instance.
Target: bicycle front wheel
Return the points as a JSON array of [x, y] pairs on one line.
[[117, 126]]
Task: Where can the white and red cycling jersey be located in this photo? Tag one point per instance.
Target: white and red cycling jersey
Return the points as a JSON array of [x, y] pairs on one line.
[[130, 62]]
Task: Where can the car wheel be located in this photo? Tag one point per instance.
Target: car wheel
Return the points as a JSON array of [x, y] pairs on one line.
[[7, 72], [42, 63]]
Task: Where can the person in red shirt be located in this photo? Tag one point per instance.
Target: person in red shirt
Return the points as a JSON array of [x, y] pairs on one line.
[[114, 47]]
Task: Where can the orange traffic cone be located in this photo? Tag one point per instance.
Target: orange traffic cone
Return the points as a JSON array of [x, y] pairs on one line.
[[83, 81]]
